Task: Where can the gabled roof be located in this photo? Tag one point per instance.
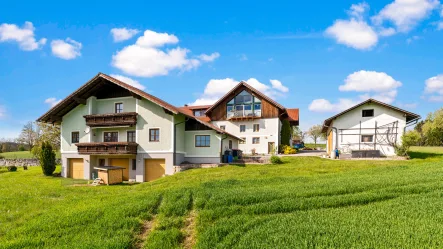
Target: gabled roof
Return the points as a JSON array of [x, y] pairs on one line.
[[87, 89], [189, 113], [242, 83], [293, 114], [409, 115]]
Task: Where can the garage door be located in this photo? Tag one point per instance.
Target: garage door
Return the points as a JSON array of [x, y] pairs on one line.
[[76, 168], [154, 169], [121, 162]]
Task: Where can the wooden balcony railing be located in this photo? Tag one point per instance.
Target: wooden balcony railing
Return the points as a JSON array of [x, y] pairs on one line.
[[106, 148], [244, 114], [111, 119]]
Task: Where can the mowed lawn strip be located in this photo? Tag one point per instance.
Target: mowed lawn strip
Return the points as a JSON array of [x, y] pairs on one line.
[[303, 203]]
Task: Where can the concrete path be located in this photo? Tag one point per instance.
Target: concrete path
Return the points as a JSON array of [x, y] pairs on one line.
[[309, 153]]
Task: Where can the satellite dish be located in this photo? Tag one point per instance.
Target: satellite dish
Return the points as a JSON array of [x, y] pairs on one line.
[[87, 130]]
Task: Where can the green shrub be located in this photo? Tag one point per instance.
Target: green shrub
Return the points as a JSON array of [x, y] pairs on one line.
[[410, 138], [21, 148], [47, 159], [2, 157], [276, 160], [12, 168]]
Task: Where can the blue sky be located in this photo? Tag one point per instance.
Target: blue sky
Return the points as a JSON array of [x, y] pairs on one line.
[[321, 57]]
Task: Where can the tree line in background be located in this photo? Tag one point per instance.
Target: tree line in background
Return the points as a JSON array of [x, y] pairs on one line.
[[33, 134]]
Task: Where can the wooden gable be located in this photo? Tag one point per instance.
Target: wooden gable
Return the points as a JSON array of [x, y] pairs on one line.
[[218, 112]]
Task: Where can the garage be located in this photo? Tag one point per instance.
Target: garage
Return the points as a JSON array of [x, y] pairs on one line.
[[154, 169], [121, 162], [76, 168]]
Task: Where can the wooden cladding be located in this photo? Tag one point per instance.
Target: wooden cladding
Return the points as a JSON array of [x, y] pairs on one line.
[[268, 110], [111, 119], [122, 148]]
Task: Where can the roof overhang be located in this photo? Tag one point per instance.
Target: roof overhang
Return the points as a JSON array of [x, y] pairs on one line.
[[410, 117]]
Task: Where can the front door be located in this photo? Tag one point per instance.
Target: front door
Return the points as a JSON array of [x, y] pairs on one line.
[[271, 147]]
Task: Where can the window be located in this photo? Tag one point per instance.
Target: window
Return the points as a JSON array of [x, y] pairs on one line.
[[368, 113], [223, 127], [134, 164], [154, 135], [118, 107], [242, 141], [230, 144], [75, 137], [256, 127], [202, 141], [110, 136], [101, 162], [257, 107], [367, 138], [131, 136], [255, 140], [199, 113], [242, 128]]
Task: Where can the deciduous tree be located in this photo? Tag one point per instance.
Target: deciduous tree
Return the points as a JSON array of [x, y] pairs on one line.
[[315, 132]]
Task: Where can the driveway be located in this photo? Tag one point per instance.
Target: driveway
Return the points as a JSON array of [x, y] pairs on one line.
[[309, 153]]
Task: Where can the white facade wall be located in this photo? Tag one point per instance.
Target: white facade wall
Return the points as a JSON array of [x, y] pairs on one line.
[[269, 132], [348, 140]]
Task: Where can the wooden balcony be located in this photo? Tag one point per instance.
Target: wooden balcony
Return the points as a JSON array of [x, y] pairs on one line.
[[111, 119], [107, 148], [244, 115]]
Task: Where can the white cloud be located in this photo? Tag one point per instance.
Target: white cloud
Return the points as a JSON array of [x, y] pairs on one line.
[[129, 81], [408, 105], [209, 58], [358, 10], [353, 33], [66, 50], [376, 85], [406, 14], [24, 36], [123, 34], [146, 59], [369, 81], [434, 88], [52, 101], [323, 105], [440, 26], [279, 86], [386, 31], [216, 88]]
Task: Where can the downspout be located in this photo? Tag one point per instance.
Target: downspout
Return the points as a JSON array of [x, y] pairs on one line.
[[175, 141], [221, 147]]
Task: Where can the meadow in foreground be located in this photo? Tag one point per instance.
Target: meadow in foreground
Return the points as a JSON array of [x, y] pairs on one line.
[[303, 203]]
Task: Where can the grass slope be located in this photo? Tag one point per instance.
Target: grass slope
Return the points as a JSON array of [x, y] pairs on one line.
[[303, 203]]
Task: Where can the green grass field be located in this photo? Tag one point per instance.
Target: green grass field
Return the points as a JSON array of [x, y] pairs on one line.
[[323, 146], [303, 203], [20, 155]]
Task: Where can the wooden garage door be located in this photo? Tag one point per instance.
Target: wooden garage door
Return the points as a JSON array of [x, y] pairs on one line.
[[121, 162], [76, 168], [154, 169]]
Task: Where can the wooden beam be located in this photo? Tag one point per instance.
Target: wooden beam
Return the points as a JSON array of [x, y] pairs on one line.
[[168, 111], [135, 95]]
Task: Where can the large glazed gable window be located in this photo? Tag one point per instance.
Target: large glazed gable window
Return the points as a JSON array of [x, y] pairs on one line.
[[368, 113], [118, 107], [244, 105], [154, 135], [202, 141], [110, 136], [75, 137]]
